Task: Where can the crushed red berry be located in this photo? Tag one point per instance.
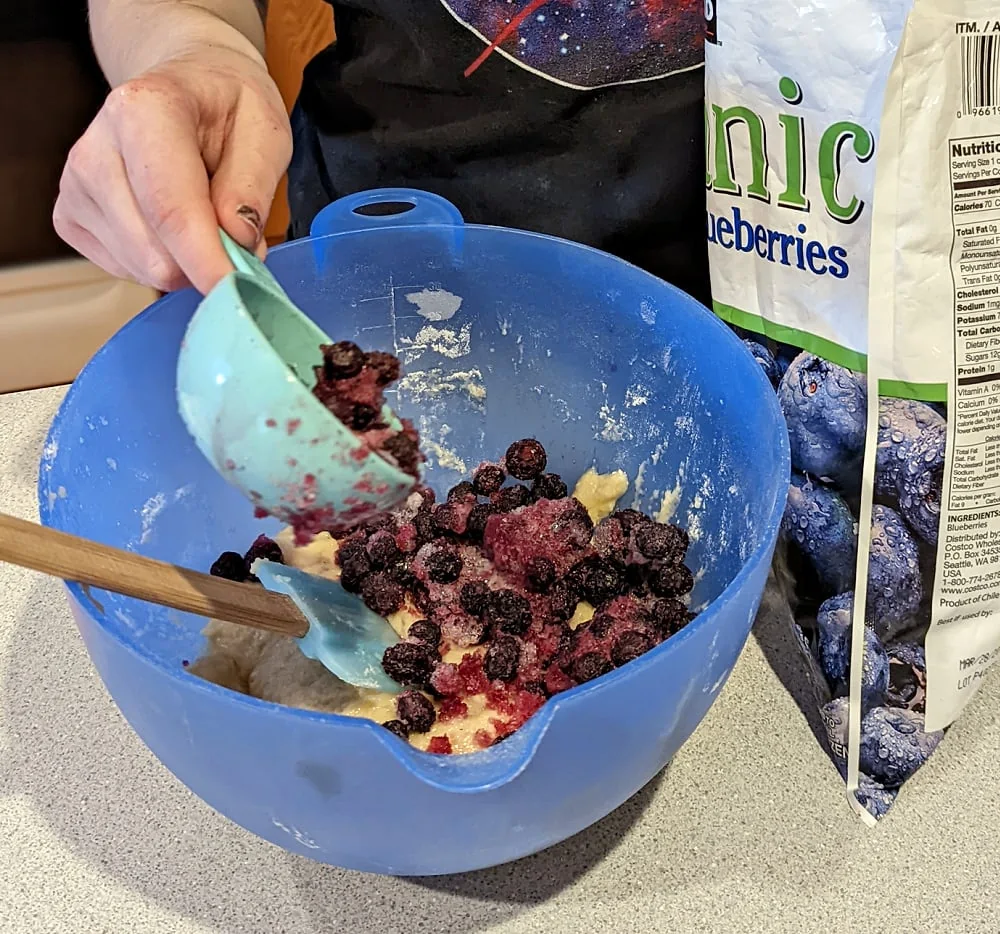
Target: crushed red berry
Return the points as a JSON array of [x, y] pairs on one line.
[[416, 711], [440, 745]]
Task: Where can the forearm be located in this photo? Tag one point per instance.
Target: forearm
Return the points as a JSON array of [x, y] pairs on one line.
[[133, 36]]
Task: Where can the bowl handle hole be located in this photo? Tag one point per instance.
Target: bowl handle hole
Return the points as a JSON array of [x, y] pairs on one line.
[[384, 209]]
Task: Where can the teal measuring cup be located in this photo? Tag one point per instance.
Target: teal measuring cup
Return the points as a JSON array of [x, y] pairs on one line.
[[245, 374]]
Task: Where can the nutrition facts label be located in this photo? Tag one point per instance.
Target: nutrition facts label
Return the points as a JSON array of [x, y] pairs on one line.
[[975, 263]]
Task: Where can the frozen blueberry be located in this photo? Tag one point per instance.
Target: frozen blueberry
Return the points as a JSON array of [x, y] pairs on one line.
[[487, 479], [405, 451], [825, 407], [472, 597], [873, 797], [670, 580], [502, 658], [900, 423], [656, 541], [267, 549], [669, 615], [475, 524], [549, 486], [426, 632], [539, 574], [507, 611], [596, 579], [822, 527], [397, 727], [562, 601], [894, 744], [382, 594], [353, 575], [833, 622], [342, 360], [630, 519], [461, 492], [416, 711], [229, 565], [425, 526], [448, 520], [525, 459], [510, 498], [766, 360], [630, 645], [443, 566], [382, 550], [409, 663], [588, 666], [385, 366], [895, 584]]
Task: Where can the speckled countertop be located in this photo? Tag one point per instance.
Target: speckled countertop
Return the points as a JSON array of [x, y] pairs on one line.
[[746, 831]]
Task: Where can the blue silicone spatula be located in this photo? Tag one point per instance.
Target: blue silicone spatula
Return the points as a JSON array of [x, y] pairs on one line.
[[331, 625]]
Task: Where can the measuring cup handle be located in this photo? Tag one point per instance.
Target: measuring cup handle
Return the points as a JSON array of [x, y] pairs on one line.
[[413, 209]]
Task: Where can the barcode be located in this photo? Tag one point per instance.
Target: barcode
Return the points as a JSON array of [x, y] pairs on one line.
[[980, 73]]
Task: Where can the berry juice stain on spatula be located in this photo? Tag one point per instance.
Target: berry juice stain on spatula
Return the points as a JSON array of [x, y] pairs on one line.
[[294, 420]]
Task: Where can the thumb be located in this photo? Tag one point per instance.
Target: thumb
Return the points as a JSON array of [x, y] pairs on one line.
[[255, 156]]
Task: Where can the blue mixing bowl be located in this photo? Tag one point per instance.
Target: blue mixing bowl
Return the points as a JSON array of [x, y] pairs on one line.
[[503, 334]]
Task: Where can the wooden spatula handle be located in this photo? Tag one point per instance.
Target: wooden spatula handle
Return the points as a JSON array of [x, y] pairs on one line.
[[70, 558]]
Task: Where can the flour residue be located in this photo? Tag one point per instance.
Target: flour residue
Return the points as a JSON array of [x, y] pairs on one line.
[[613, 427], [446, 341], [647, 312], [435, 304], [152, 508], [424, 385], [636, 395], [445, 457], [668, 504]]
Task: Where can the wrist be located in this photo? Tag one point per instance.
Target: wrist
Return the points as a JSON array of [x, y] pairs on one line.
[[132, 37]]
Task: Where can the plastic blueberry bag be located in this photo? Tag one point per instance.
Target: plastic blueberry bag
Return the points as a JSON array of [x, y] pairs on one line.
[[853, 176]]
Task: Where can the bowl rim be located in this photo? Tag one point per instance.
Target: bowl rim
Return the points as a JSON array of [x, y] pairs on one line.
[[413, 759]]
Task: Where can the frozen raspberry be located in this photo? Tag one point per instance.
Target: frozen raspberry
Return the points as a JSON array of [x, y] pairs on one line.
[[507, 611], [452, 708], [589, 666], [382, 550], [562, 601], [670, 580], [461, 492], [342, 360], [397, 727], [657, 541], [446, 680], [510, 498], [382, 594], [426, 632], [668, 616], [475, 524], [629, 645], [448, 520], [539, 574], [549, 486], [264, 548], [525, 459], [502, 657], [629, 519], [385, 366], [409, 663], [487, 479], [407, 538], [439, 745], [229, 565], [416, 711], [472, 597], [443, 566]]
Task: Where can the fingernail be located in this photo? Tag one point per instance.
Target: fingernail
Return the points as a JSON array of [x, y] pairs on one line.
[[251, 216]]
